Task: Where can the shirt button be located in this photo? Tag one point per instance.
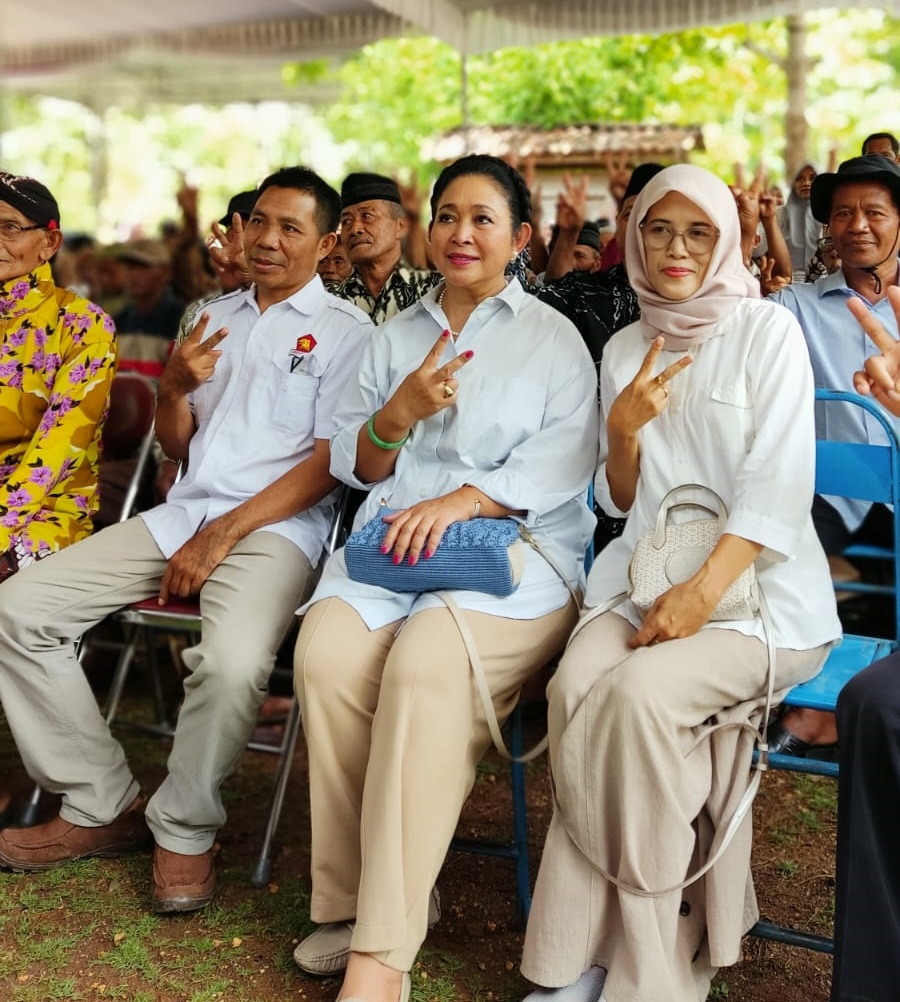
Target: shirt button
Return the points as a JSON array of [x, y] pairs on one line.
[[423, 494], [684, 909]]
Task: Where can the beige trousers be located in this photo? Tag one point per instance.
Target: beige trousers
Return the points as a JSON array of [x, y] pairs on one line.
[[247, 605], [653, 800], [395, 729]]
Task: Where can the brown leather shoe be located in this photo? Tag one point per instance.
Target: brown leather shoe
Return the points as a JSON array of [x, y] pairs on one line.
[[182, 883], [58, 841]]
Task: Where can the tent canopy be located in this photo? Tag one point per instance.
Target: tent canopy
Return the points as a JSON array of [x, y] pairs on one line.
[[57, 34]]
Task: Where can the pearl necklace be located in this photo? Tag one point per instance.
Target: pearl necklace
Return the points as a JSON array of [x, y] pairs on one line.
[[454, 334]]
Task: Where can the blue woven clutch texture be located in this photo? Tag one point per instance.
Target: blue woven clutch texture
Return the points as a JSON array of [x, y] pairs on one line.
[[478, 555]]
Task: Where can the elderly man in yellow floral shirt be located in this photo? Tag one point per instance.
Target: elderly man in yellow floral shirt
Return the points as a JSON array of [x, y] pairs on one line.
[[57, 360]]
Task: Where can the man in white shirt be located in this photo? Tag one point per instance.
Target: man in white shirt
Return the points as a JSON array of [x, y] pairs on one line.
[[250, 408]]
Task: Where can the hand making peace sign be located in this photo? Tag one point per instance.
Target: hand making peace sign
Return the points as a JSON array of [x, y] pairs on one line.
[[431, 387], [646, 396], [193, 361], [881, 375]]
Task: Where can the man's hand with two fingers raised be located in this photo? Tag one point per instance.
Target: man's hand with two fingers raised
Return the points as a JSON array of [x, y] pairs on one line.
[[880, 376]]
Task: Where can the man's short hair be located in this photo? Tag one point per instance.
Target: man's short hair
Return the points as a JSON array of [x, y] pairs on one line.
[[328, 201], [892, 139]]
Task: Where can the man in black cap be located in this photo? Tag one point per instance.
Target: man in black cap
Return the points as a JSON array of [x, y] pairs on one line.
[[373, 223], [588, 248], [860, 204]]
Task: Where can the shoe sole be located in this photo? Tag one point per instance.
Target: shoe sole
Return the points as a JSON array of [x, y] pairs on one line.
[[169, 906], [111, 852]]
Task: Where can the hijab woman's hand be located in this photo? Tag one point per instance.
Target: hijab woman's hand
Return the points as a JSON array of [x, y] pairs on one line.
[[646, 396]]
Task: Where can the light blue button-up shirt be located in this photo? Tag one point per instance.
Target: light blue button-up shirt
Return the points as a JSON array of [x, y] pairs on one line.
[[838, 347], [523, 430]]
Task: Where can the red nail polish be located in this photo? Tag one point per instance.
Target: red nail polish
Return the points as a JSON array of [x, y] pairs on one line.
[[384, 549], [412, 560], [445, 333], [469, 353], [397, 558], [427, 554]]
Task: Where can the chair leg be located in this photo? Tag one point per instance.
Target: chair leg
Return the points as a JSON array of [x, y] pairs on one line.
[[29, 814], [520, 818], [120, 675], [263, 868]]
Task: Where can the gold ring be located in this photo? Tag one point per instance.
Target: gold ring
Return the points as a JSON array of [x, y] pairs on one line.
[[660, 381], [449, 391]]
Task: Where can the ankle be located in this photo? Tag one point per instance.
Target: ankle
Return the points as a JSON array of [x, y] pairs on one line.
[[367, 978]]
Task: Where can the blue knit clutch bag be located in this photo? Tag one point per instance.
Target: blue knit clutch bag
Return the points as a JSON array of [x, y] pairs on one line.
[[482, 554]]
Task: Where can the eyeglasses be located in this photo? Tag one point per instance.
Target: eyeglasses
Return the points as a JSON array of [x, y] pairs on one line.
[[10, 231], [697, 239]]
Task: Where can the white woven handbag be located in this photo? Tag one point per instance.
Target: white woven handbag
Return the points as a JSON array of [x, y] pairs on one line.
[[672, 552]]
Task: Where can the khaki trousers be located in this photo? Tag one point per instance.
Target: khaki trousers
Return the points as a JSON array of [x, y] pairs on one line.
[[395, 729], [654, 800], [247, 605]]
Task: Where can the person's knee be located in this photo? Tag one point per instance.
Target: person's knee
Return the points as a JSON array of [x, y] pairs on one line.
[[324, 658], [872, 694], [22, 598]]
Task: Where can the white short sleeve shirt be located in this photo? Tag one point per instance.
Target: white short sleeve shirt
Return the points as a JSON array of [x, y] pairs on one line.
[[273, 392]]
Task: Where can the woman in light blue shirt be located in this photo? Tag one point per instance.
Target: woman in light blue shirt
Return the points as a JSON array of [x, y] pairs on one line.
[[477, 401]]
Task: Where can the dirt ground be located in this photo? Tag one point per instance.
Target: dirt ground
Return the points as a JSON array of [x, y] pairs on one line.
[[472, 953]]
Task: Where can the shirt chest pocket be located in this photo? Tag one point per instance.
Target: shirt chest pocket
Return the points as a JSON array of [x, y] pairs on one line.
[[290, 399], [731, 412], [494, 415]]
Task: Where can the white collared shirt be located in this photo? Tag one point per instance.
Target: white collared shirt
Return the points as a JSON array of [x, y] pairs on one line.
[[523, 430], [273, 392], [739, 420]]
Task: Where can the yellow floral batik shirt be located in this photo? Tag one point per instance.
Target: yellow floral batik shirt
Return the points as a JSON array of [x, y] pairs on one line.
[[57, 361]]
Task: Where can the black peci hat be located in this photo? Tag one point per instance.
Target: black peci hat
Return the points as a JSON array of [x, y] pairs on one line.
[[365, 187], [242, 203], [868, 169], [31, 198]]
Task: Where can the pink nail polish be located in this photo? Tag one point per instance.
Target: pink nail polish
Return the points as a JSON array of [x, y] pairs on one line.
[[384, 549], [427, 554], [397, 558], [412, 560], [469, 353]]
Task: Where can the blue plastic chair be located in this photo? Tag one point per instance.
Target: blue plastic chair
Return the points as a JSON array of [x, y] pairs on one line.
[[864, 472]]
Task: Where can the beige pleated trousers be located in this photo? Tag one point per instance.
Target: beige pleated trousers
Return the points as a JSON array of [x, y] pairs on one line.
[[653, 799], [395, 729]]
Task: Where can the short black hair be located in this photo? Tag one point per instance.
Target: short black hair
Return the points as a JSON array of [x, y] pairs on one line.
[[328, 201], [891, 138], [507, 179]]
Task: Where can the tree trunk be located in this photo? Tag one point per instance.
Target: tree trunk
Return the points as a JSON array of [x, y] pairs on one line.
[[797, 68]]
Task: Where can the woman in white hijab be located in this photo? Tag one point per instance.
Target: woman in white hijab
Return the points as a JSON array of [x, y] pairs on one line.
[[712, 386]]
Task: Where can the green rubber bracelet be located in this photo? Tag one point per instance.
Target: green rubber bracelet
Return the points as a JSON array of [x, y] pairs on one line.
[[380, 442]]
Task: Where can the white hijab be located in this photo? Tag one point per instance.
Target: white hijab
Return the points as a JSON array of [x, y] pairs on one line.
[[688, 322]]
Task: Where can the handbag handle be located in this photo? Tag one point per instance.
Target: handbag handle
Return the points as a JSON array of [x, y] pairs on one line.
[[758, 768], [683, 496], [484, 690]]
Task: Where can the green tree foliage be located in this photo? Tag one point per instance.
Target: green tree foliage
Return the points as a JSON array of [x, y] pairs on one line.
[[397, 94]]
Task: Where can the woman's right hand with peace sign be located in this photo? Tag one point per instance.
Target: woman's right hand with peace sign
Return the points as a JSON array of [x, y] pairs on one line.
[[646, 396], [643, 399], [427, 390]]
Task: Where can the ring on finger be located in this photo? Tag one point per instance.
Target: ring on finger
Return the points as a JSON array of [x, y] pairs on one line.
[[449, 391], [661, 380]]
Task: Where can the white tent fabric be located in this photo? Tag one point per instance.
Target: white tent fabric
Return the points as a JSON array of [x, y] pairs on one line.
[[46, 35]]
